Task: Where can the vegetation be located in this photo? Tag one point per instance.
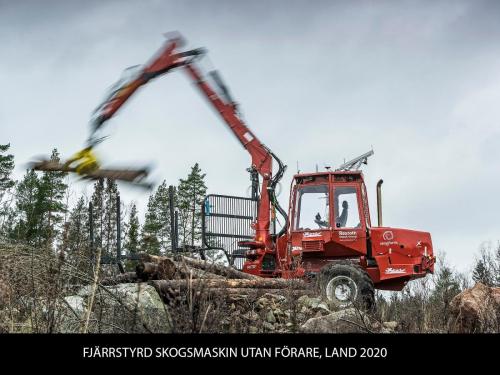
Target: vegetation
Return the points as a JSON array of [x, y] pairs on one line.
[[46, 253]]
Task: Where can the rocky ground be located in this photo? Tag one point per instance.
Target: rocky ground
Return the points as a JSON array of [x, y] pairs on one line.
[[43, 293], [142, 310]]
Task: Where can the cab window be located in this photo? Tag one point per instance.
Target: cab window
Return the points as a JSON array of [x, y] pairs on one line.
[[312, 208], [346, 208]]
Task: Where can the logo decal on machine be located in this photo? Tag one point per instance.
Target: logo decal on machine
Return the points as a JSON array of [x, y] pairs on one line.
[[388, 235], [348, 235], [312, 234], [394, 271]]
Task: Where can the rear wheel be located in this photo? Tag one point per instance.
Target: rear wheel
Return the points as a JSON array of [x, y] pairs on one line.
[[347, 284]]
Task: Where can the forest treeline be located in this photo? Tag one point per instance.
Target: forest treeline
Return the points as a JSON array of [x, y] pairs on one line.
[[41, 210], [37, 211]]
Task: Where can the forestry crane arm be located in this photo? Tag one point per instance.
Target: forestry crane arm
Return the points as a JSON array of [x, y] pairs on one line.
[[163, 62]]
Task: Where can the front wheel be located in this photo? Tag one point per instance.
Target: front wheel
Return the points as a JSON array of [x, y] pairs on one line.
[[347, 284]]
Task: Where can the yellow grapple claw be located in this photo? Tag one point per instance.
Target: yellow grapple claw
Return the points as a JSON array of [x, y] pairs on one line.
[[87, 162]]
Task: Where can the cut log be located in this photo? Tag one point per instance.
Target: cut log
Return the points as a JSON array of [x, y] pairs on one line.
[[153, 271], [127, 277], [218, 269], [186, 272], [197, 284], [147, 271], [186, 265], [129, 175], [149, 258]]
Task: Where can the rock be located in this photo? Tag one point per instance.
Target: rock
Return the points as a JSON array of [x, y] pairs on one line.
[[251, 316], [270, 317], [253, 329], [476, 310], [322, 307], [301, 300], [343, 321], [237, 298], [268, 326], [119, 308], [278, 312], [274, 297], [77, 305], [310, 302], [262, 302], [390, 325]]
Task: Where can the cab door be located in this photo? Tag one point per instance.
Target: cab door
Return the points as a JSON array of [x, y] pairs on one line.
[[311, 225], [349, 229]]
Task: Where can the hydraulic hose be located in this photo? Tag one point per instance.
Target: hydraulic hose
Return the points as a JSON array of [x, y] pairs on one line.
[[272, 192]]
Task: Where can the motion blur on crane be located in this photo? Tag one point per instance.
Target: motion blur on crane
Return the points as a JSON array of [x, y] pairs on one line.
[[326, 234]]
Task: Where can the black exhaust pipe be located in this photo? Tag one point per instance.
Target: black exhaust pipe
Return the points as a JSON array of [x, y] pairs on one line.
[[379, 201]]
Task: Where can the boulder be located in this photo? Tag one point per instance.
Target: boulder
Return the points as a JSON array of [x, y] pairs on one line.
[[476, 310], [343, 321], [392, 326], [270, 317], [118, 308], [268, 326]]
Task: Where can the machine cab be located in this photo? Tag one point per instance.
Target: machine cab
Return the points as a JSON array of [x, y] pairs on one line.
[[330, 216]]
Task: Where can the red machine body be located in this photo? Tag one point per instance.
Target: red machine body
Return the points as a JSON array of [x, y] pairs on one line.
[[390, 256]]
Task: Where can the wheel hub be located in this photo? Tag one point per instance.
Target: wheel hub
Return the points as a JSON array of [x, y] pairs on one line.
[[342, 292], [342, 289]]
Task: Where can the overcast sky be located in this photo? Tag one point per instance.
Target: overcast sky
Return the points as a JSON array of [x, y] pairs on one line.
[[318, 82]]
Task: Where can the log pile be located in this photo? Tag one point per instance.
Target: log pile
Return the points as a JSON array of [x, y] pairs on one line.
[[182, 276]]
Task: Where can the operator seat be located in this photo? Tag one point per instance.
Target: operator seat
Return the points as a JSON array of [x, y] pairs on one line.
[[342, 219]]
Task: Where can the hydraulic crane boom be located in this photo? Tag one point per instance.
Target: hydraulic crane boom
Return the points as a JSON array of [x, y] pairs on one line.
[[347, 255], [163, 62]]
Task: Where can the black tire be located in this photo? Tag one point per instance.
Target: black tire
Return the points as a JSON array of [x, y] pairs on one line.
[[346, 284]]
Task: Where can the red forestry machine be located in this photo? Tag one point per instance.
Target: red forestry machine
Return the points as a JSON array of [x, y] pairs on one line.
[[326, 233]]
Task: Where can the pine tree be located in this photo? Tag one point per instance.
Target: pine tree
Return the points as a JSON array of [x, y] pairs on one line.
[[131, 245], [97, 200], [26, 227], [7, 213], [156, 230], [40, 206], [6, 167], [191, 193], [50, 204], [446, 287], [497, 265], [151, 228], [77, 238], [482, 274], [162, 206], [109, 235]]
